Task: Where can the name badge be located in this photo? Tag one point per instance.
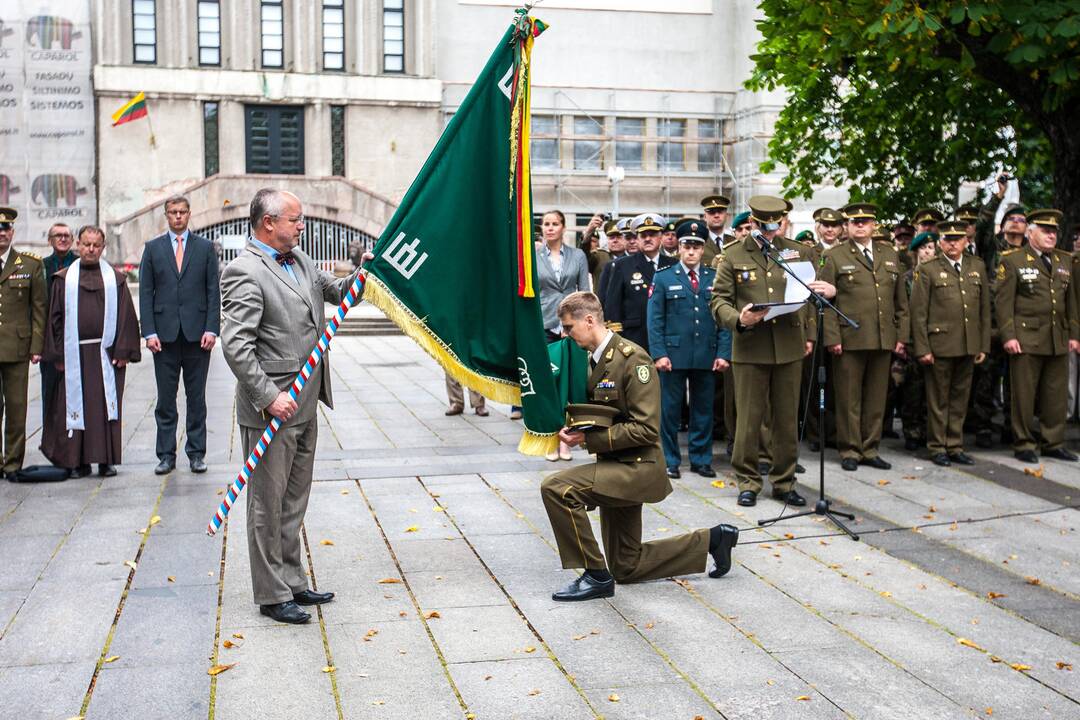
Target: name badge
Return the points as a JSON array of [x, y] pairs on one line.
[[675, 287]]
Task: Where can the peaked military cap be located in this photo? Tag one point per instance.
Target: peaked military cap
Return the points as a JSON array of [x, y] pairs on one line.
[[8, 215], [767, 209], [952, 228], [853, 211], [646, 222], [1046, 217], [788, 205], [903, 227], [930, 215], [611, 227], [715, 202], [1015, 209], [582, 416], [967, 213], [669, 226], [692, 230], [623, 225], [743, 217], [828, 216], [878, 234], [921, 239]]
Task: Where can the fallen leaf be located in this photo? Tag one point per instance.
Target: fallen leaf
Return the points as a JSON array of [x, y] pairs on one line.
[[111, 659], [229, 644], [803, 698], [529, 649], [370, 634], [1032, 580], [989, 711], [932, 509], [789, 536], [402, 613], [328, 668], [1019, 667], [438, 577], [130, 564], [218, 669], [684, 583], [613, 697], [967, 643], [238, 636], [883, 482], [470, 716], [412, 528], [171, 578], [650, 625], [921, 586], [378, 702], [488, 677], [718, 484], [770, 682], [1014, 556], [534, 691], [344, 492], [326, 542], [954, 527], [1036, 472], [432, 615], [413, 510], [594, 632], [767, 546], [220, 492], [155, 520], [822, 542], [1064, 666], [699, 717], [928, 517], [908, 477], [995, 595], [390, 581], [579, 637], [996, 659], [437, 508], [885, 594]]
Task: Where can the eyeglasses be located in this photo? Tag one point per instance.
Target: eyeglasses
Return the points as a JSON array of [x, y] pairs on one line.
[[59, 236], [297, 220]]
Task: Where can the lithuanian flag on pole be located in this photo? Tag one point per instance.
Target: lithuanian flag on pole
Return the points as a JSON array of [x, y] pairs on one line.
[[456, 266], [133, 109]]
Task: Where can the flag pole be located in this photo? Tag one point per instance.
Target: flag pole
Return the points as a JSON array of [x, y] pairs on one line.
[[150, 123]]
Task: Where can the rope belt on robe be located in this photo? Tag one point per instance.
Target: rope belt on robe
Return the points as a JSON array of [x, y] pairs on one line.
[[72, 364]]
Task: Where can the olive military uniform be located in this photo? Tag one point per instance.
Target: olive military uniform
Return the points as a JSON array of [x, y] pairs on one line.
[[22, 334], [629, 470], [766, 358], [873, 295], [950, 318], [910, 389], [1032, 302]]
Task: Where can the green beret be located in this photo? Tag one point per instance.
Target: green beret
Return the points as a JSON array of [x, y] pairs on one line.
[[921, 239], [740, 219], [805, 236]]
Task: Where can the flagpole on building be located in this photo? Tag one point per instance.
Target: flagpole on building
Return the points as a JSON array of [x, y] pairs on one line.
[[150, 123]]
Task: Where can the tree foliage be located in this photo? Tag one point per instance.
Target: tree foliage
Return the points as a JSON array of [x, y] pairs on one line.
[[902, 101]]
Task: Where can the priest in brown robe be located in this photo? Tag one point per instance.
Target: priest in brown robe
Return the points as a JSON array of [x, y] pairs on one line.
[[91, 335]]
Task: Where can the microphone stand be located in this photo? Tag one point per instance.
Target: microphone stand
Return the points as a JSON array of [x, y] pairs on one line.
[[823, 506]]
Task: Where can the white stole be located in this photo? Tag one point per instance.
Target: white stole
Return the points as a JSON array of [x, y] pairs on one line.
[[72, 365]]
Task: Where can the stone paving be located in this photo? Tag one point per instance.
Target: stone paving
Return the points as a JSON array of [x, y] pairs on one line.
[[962, 599]]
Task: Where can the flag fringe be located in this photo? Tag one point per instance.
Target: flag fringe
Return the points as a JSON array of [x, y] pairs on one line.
[[537, 444]]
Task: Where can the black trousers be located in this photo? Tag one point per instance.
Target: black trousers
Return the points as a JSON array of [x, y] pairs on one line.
[[176, 358]]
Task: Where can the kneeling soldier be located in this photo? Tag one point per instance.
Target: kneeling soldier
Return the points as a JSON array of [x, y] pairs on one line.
[[950, 329], [628, 472]]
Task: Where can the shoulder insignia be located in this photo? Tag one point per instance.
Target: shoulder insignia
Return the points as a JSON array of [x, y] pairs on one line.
[[626, 350], [1010, 251], [644, 374], [609, 354], [726, 245], [614, 327], [27, 253], [1001, 272]]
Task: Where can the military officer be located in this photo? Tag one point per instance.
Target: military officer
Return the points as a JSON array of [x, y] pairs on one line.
[[669, 241], [869, 289], [950, 334], [969, 216], [630, 238], [714, 209], [22, 337], [598, 256], [827, 225], [627, 473], [766, 354], [907, 373], [687, 349], [628, 287], [1034, 315], [740, 227]]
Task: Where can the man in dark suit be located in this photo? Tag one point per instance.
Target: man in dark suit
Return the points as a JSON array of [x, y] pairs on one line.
[[180, 308], [626, 304]]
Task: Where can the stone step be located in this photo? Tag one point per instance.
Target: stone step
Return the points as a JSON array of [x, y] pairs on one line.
[[355, 326]]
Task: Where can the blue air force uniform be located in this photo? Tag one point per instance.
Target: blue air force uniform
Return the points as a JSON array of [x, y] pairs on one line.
[[682, 329]]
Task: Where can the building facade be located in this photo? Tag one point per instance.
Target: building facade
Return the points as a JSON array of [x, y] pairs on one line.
[[342, 100]]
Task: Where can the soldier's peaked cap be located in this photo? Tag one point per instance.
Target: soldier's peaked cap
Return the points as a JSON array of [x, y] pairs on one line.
[[853, 211], [1046, 217], [715, 202], [767, 209]]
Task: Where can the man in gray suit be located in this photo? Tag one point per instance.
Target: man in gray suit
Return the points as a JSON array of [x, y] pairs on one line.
[[180, 313], [272, 302]]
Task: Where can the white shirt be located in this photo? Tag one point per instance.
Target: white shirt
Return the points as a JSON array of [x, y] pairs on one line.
[[599, 351], [868, 247], [654, 260], [172, 237], [5, 256]]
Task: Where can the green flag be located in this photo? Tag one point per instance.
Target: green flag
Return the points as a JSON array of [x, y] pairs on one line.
[[455, 267]]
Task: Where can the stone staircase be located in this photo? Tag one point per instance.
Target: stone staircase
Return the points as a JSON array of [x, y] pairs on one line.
[[368, 325]]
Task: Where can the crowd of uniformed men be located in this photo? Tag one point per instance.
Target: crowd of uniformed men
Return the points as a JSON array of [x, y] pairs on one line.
[[952, 321]]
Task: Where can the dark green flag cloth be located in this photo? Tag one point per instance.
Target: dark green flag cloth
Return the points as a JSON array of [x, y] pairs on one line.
[[456, 268], [570, 366]]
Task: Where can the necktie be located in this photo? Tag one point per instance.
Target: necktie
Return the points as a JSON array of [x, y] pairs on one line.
[[957, 266], [869, 258], [286, 258], [1045, 261], [693, 280], [179, 252]]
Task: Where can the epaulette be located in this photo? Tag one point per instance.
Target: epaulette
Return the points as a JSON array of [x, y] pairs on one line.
[[614, 326], [725, 246], [1010, 251], [29, 254], [626, 349]]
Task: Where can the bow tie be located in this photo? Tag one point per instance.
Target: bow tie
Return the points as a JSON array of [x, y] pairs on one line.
[[286, 258]]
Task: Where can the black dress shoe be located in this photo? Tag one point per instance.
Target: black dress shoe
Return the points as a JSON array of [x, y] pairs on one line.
[[105, 470], [81, 471], [165, 467], [984, 440], [310, 597], [198, 465], [875, 462], [748, 498], [941, 459], [1059, 454], [799, 469], [791, 497], [961, 458], [815, 446], [585, 587], [849, 464], [1027, 456], [703, 470], [721, 553], [763, 468], [286, 612], [673, 472]]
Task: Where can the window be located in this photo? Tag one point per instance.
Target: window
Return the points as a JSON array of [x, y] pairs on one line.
[[708, 149], [144, 31], [629, 148], [209, 32], [587, 150], [545, 142], [337, 140], [211, 158], [273, 34], [333, 33], [393, 35], [275, 139], [670, 154]]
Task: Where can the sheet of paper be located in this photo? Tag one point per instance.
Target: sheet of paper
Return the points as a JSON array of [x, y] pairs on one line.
[[794, 293]]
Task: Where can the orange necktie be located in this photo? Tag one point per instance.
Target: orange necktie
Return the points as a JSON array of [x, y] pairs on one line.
[[179, 252]]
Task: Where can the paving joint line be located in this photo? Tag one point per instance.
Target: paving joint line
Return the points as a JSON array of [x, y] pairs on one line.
[[212, 705], [416, 604], [513, 603], [322, 627], [123, 598]]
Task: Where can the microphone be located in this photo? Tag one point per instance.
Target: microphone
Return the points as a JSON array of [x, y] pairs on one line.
[[766, 246]]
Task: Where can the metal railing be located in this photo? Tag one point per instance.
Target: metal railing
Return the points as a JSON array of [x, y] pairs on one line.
[[325, 241]]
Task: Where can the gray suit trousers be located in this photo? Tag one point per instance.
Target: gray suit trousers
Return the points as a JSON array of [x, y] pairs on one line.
[[276, 503]]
